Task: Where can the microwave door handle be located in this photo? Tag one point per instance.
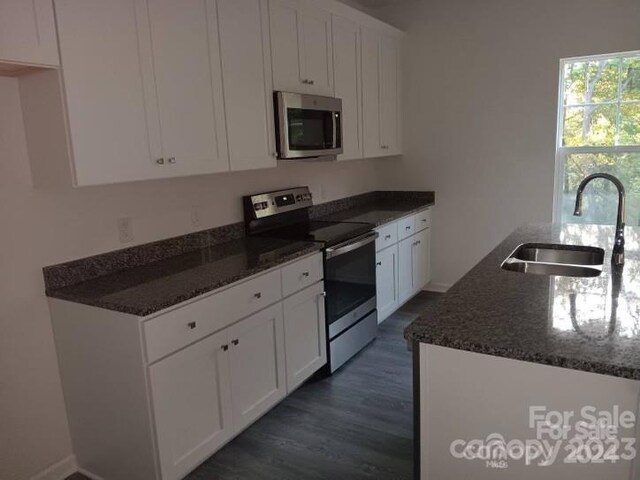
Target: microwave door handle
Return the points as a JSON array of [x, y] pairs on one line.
[[335, 129]]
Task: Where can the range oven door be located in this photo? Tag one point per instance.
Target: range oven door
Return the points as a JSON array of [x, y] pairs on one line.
[[308, 126], [350, 283]]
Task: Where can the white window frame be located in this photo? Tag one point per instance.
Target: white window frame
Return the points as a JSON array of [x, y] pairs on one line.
[[561, 151]]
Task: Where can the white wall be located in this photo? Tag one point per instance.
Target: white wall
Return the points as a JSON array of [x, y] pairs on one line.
[[43, 227], [481, 91]]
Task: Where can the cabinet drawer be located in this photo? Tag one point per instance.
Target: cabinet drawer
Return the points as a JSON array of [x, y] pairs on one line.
[[406, 227], [173, 330], [301, 274], [387, 235], [423, 220]]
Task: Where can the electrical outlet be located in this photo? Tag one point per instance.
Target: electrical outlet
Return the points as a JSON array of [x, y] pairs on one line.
[[125, 230]]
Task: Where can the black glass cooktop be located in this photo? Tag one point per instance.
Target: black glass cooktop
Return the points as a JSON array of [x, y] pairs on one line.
[[329, 233]]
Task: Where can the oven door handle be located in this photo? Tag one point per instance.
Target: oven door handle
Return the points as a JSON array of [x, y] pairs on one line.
[[351, 245]]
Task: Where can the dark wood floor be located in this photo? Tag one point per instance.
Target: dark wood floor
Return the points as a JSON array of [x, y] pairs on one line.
[[354, 425]]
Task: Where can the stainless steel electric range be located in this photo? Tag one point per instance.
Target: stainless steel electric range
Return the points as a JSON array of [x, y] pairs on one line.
[[349, 265]]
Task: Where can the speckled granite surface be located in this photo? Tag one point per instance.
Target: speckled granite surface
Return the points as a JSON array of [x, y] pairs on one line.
[[588, 324], [144, 279], [146, 289], [382, 207]]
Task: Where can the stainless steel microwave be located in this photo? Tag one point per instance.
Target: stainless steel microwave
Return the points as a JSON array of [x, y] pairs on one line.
[[308, 126]]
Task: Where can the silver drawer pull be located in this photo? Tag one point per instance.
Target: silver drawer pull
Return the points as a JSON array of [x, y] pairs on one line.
[[171, 160], [379, 264], [424, 220], [225, 348], [191, 325], [305, 274], [408, 227], [323, 294], [387, 237], [160, 161], [235, 342], [258, 295]]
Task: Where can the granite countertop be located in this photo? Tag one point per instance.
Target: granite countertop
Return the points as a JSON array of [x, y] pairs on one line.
[[149, 288], [379, 212], [588, 324]]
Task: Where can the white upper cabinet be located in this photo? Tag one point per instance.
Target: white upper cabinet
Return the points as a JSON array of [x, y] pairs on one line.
[[347, 75], [301, 47], [27, 34], [246, 71], [109, 90], [187, 76], [390, 96], [381, 88]]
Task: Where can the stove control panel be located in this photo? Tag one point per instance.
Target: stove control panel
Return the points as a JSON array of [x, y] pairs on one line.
[[272, 203]]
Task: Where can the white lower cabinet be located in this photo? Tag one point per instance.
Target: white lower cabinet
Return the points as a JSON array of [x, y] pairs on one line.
[[153, 397], [305, 334], [387, 282], [403, 268], [192, 404], [256, 362]]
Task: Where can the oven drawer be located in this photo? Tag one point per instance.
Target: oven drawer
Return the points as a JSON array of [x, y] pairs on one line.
[[423, 220], [175, 329], [301, 274], [388, 235], [406, 227]]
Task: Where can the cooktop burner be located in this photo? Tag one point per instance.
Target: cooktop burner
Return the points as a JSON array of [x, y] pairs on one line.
[[329, 233]]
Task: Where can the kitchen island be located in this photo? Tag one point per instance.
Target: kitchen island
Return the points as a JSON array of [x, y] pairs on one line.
[[508, 360]]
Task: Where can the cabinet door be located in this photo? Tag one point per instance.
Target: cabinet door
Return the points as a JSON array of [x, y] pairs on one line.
[[371, 93], [246, 70], [28, 32], [346, 74], [187, 73], [192, 404], [108, 101], [387, 282], [405, 270], [390, 94], [257, 365], [318, 61], [305, 335], [287, 48], [422, 258]]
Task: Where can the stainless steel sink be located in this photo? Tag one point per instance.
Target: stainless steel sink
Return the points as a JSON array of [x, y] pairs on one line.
[[556, 259]]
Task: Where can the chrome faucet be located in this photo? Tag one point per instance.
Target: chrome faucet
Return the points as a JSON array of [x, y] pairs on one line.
[[618, 245]]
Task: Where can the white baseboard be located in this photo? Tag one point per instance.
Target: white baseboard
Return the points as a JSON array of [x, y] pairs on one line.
[[58, 471], [437, 287]]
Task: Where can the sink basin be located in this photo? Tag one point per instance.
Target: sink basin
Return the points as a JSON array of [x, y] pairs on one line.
[[556, 259]]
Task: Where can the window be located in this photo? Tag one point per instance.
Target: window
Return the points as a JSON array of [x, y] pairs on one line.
[[599, 131]]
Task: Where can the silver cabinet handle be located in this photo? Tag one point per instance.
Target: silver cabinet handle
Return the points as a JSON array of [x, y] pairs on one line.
[[191, 325], [258, 295], [160, 161], [305, 81], [387, 237], [424, 220], [408, 227], [235, 342], [305, 274], [323, 294], [418, 242], [379, 264], [310, 82], [225, 348], [171, 160]]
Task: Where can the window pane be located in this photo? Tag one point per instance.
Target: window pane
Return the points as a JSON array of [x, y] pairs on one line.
[[600, 199], [630, 124], [589, 126], [631, 79], [591, 82]]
